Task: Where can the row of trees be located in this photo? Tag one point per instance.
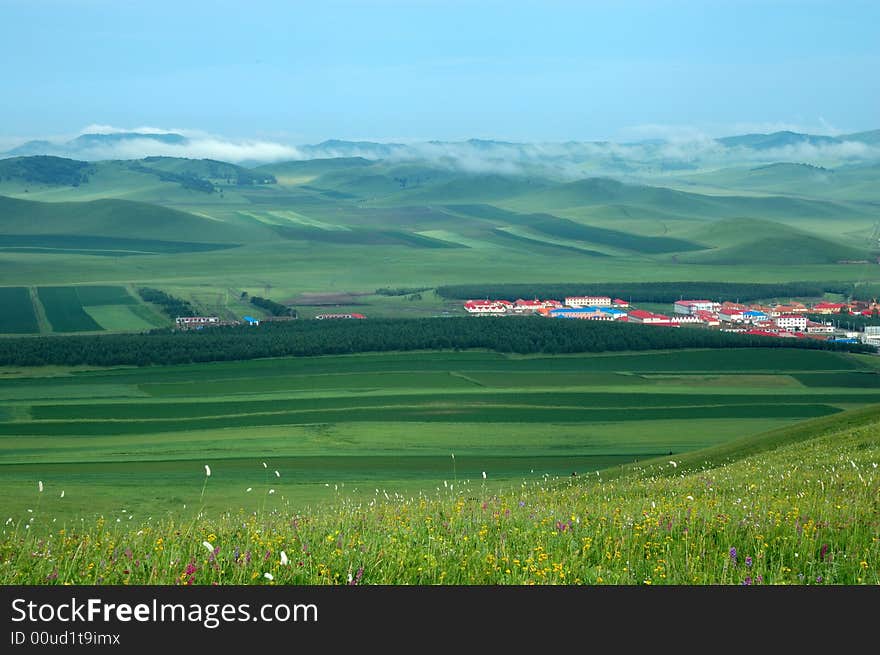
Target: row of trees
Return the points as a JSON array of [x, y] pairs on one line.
[[171, 305], [274, 308], [660, 292], [306, 338]]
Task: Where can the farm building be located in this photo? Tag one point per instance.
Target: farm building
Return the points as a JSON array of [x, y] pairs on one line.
[[487, 306], [588, 301], [322, 317], [754, 316], [650, 318], [535, 305], [694, 306], [829, 307], [250, 320], [619, 302], [588, 313], [791, 322], [707, 318], [731, 315], [189, 322]]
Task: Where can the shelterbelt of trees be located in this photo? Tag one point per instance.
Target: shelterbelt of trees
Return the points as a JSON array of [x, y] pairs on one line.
[[525, 335], [647, 291]]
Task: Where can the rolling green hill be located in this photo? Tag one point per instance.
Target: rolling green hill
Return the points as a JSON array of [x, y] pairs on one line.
[[753, 241], [649, 201], [111, 218], [847, 183]]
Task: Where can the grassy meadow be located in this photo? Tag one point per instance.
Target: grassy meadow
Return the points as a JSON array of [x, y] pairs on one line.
[[795, 505], [138, 438]]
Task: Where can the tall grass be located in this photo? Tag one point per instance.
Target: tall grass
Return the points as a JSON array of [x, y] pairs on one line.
[[804, 513]]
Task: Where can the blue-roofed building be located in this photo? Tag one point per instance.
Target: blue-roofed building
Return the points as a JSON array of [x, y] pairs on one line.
[[250, 320], [588, 313], [753, 315]]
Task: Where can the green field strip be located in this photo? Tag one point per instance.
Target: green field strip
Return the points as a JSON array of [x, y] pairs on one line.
[[104, 295], [39, 311], [627, 401], [388, 438], [421, 413], [118, 318], [17, 314], [854, 380], [65, 311]]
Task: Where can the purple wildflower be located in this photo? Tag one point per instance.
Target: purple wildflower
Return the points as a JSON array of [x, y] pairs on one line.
[[733, 553], [819, 579], [357, 576], [748, 580], [749, 561], [823, 552]]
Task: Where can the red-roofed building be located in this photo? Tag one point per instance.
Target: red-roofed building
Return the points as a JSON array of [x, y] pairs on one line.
[[829, 307], [707, 318], [487, 306], [322, 317], [534, 305], [641, 316], [618, 302]]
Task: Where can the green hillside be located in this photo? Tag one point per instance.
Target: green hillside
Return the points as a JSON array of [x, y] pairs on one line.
[[649, 201], [846, 183], [111, 218], [753, 241]]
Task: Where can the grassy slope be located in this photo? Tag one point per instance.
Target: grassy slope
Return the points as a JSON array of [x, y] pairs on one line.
[[753, 241], [796, 506], [112, 218]]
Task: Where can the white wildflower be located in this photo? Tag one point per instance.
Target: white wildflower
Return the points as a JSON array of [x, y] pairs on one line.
[[207, 470], [284, 559], [268, 576], [208, 545]]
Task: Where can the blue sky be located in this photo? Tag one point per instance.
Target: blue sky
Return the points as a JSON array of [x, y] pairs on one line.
[[301, 72]]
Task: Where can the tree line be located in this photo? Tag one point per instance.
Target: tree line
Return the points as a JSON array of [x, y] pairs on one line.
[[659, 292], [525, 335], [171, 305], [274, 308]]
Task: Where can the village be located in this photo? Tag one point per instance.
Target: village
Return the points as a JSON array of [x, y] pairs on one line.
[[778, 320]]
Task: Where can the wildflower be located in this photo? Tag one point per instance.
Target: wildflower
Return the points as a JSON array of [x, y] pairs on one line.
[[271, 491], [264, 464], [249, 489], [748, 580], [733, 554], [819, 579], [674, 464], [40, 486], [484, 475], [749, 561], [207, 470], [208, 545], [284, 559], [823, 552], [268, 576], [62, 493], [277, 474]]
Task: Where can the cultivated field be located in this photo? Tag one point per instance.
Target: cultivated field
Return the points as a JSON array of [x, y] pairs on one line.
[[138, 439]]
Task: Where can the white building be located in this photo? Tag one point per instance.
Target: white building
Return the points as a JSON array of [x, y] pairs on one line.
[[694, 306], [791, 322], [588, 301]]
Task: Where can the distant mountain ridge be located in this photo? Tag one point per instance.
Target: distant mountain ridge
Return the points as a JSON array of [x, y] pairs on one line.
[[622, 157]]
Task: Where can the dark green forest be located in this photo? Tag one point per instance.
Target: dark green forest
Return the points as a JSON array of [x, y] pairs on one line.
[[526, 335]]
